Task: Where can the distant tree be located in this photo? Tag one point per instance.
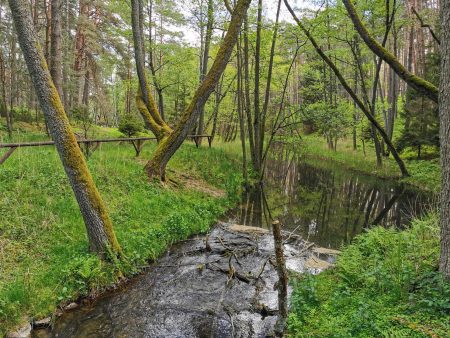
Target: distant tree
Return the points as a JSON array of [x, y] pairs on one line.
[[130, 125], [421, 114]]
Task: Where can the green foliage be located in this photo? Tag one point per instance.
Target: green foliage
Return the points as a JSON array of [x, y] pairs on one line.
[[421, 120], [332, 121], [130, 125], [385, 284]]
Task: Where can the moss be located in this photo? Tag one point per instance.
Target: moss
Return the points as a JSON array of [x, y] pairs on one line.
[[148, 118]]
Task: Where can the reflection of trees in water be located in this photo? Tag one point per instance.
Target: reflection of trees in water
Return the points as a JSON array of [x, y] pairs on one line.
[[330, 206]]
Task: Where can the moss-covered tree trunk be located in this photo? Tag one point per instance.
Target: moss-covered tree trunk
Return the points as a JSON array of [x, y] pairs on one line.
[[98, 224], [156, 167], [444, 115], [55, 47], [144, 100]]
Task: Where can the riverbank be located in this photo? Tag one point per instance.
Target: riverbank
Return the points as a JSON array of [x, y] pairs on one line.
[[384, 284], [44, 261], [425, 174]]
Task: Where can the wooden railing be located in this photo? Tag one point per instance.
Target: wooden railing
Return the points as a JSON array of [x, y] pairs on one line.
[[92, 145]]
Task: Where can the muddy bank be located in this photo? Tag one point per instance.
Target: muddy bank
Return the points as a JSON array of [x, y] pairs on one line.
[[218, 285]]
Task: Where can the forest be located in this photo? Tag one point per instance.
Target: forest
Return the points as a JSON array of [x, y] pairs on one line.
[[229, 168]]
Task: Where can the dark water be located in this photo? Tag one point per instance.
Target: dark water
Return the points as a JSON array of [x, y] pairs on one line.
[[328, 204]]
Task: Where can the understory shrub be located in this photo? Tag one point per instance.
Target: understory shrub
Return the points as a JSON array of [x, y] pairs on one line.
[[385, 284]]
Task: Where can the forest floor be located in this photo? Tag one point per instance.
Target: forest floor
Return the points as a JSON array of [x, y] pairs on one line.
[[425, 174], [44, 259]]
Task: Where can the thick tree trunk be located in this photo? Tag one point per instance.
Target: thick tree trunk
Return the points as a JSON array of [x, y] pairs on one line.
[[444, 115], [98, 224], [156, 167]]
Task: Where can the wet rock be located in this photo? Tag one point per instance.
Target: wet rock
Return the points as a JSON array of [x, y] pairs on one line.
[[71, 306], [38, 324], [23, 332], [326, 251], [248, 229], [316, 263]]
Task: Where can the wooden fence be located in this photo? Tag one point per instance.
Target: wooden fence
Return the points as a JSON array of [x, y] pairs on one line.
[[92, 145]]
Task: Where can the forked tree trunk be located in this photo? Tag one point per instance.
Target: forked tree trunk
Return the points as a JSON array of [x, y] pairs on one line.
[[444, 115], [144, 100], [98, 224], [156, 167]]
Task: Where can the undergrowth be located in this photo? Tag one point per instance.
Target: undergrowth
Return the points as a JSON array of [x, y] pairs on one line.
[[385, 284]]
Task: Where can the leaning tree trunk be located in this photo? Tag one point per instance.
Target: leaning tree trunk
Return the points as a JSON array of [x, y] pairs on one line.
[[156, 167], [444, 115], [98, 224], [416, 82]]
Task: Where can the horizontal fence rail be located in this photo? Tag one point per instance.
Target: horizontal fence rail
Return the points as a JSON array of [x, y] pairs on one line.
[[92, 144]]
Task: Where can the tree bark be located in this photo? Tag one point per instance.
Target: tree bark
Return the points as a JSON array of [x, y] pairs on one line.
[[444, 115], [257, 111], [98, 224], [204, 70], [267, 93], [156, 167], [55, 50], [282, 280]]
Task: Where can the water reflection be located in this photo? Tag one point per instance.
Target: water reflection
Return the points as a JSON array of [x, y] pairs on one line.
[[325, 203]]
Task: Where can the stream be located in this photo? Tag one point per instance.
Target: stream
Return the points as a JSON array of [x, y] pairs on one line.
[[222, 284]]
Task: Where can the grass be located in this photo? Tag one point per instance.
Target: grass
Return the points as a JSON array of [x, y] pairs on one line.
[[44, 259], [385, 284], [424, 174]]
